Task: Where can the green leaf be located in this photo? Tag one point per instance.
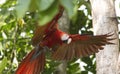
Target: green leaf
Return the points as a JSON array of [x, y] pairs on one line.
[[33, 5], [3, 64], [46, 16], [45, 4], [22, 7], [84, 72], [69, 6], [87, 60]]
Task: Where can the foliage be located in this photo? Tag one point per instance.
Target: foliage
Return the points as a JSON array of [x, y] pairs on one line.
[[43, 7], [18, 20]]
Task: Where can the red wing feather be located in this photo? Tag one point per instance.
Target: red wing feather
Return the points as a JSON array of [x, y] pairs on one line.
[[81, 46], [31, 66]]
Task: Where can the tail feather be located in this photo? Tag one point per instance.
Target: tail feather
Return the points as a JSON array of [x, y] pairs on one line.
[[31, 65]]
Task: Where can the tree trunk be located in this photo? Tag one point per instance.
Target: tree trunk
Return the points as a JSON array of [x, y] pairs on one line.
[[64, 26], [118, 68], [104, 21]]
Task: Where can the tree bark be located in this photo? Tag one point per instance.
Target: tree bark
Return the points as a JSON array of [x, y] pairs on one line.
[[104, 21], [118, 68], [64, 26]]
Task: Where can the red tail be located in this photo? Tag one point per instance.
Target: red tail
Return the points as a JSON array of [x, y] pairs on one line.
[[33, 63]]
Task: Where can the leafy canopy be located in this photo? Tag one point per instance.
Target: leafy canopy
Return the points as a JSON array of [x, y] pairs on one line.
[[43, 7]]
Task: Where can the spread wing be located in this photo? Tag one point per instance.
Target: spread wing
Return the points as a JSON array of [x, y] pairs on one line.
[[81, 46], [38, 35]]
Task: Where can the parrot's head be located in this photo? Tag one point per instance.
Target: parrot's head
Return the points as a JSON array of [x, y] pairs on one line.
[[66, 38]]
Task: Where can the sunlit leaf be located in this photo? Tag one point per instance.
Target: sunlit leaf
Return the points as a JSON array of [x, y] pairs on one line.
[[3, 64], [22, 7], [21, 22]]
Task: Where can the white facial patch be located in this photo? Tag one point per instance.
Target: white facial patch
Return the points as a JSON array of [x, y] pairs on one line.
[[64, 37], [69, 41]]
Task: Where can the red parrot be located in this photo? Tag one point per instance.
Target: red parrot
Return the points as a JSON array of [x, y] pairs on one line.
[[67, 46], [34, 62], [64, 46]]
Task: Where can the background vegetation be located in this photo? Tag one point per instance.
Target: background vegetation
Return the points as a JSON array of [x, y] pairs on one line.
[[17, 23]]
